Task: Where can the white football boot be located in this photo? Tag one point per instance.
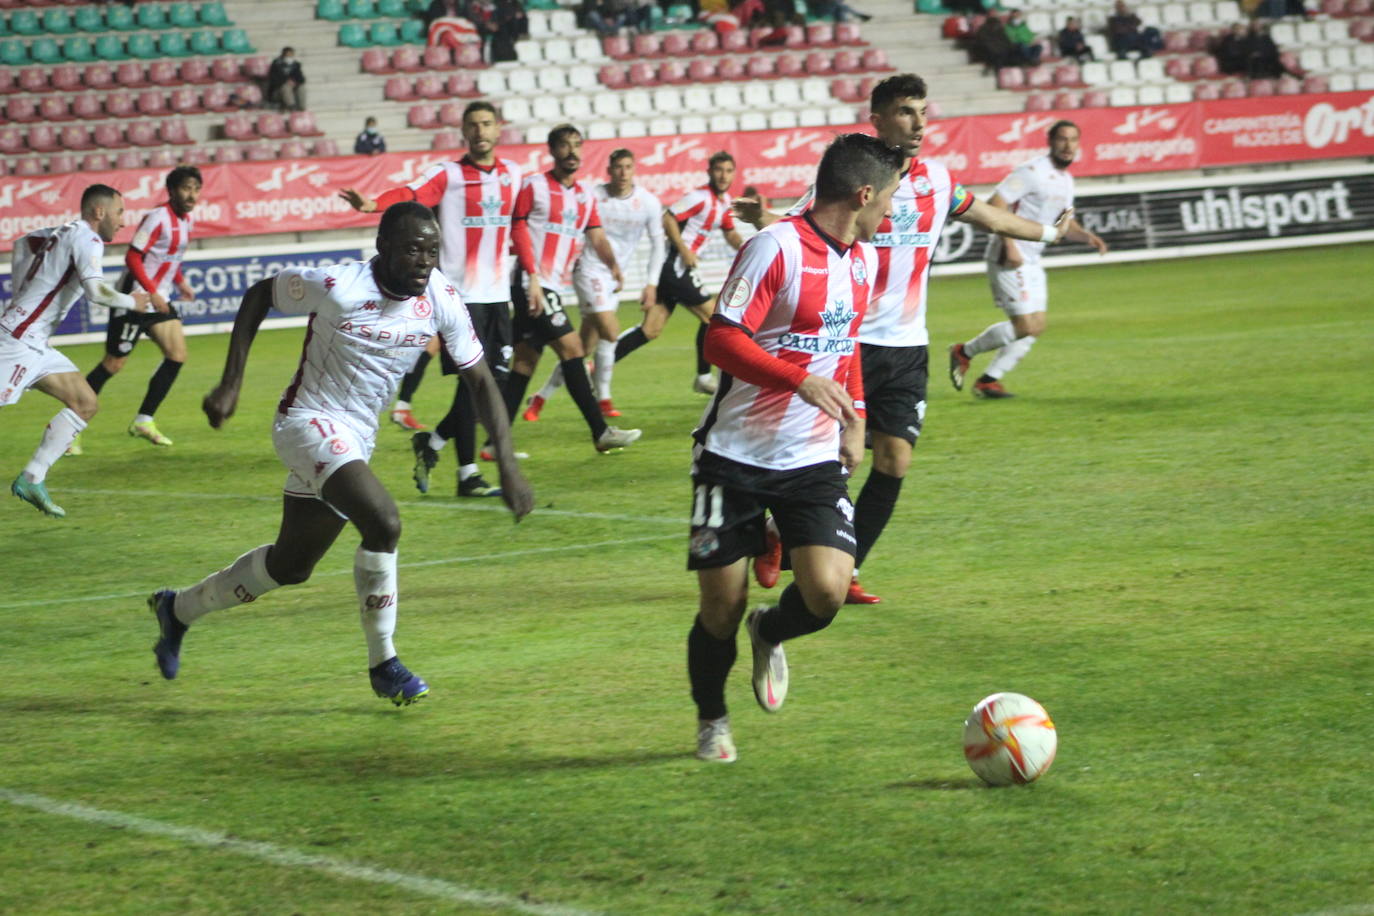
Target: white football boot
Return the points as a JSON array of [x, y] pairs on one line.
[[714, 742], [770, 666]]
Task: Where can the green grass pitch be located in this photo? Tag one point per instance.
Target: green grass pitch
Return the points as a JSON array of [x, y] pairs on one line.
[[1166, 538]]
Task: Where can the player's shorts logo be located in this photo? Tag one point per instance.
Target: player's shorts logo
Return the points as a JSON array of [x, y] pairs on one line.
[[704, 543], [423, 308], [859, 271], [125, 346], [738, 292], [846, 509], [558, 319], [338, 446]]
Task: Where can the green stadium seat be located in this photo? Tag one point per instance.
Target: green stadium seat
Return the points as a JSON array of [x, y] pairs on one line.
[[142, 45], [151, 16], [391, 9], [25, 22], [78, 49], [13, 53], [542, 4], [109, 47], [384, 33], [235, 41], [173, 44], [360, 9], [413, 32], [118, 16], [45, 51], [416, 7], [332, 10], [213, 14], [57, 21], [4, 28], [88, 19], [352, 35], [930, 6], [204, 42], [182, 16]]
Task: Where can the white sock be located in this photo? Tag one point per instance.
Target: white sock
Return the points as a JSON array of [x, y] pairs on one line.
[[994, 336], [551, 386], [605, 365], [400, 405], [437, 442], [467, 471], [143, 418], [1008, 357], [240, 582], [374, 575], [62, 429]]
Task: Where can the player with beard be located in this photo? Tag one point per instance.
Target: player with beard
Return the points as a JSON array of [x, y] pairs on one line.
[[153, 265], [367, 320], [894, 338], [474, 198], [553, 214], [1037, 190]]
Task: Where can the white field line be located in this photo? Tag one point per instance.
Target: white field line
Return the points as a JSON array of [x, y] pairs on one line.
[[1355, 909], [287, 857], [418, 564], [470, 506]]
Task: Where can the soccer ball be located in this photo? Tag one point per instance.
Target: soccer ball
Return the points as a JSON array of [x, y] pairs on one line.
[[1009, 739]]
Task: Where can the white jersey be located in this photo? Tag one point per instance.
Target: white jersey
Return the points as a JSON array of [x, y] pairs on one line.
[[1039, 191], [360, 341], [802, 302], [49, 268], [626, 220], [926, 197]]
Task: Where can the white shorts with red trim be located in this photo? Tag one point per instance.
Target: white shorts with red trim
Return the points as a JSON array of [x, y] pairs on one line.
[[313, 447], [1019, 291], [595, 291], [21, 365]]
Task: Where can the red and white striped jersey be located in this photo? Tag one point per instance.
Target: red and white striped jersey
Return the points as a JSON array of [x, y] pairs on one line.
[[626, 220], [926, 196], [49, 267], [475, 205], [360, 341], [802, 300], [557, 218], [161, 238], [700, 211], [1038, 190]]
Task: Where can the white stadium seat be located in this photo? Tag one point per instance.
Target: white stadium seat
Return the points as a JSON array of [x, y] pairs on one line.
[[601, 130], [528, 52], [667, 101], [1177, 93], [727, 97], [1151, 70], [1312, 60], [1340, 59], [816, 91], [723, 123], [660, 127], [633, 127], [1150, 95], [691, 124], [558, 51], [637, 102], [546, 108], [756, 95], [1342, 82], [811, 117], [1173, 16], [1121, 97], [1364, 80], [779, 120], [583, 78], [1202, 12], [1094, 73], [564, 22], [606, 104], [1150, 15], [1121, 73], [1098, 43], [538, 135], [753, 120], [1336, 31], [697, 98], [551, 79], [576, 107], [1040, 23], [786, 94], [1285, 34], [491, 82], [539, 23], [1225, 11], [515, 110], [841, 115], [1364, 57], [1309, 33], [522, 82], [587, 49]]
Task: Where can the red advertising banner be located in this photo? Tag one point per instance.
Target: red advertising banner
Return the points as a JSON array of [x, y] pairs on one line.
[[254, 198]]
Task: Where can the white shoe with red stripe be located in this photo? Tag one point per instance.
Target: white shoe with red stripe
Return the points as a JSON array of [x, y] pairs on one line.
[[714, 742], [770, 666]]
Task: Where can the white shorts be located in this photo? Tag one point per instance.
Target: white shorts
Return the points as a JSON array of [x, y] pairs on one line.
[[595, 291], [21, 365], [1019, 291], [313, 447]]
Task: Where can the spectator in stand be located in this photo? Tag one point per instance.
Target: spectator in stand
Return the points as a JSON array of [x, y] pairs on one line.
[[1073, 44], [445, 9], [1262, 54], [1126, 33], [606, 17], [992, 46], [641, 16], [835, 9], [966, 7], [1025, 47], [370, 142], [286, 81], [1232, 51]]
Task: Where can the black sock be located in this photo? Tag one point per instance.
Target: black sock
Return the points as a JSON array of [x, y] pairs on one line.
[[790, 618], [703, 367], [872, 510], [159, 385], [516, 385], [460, 425], [412, 378], [580, 388], [97, 377], [985, 378], [708, 665], [629, 342]]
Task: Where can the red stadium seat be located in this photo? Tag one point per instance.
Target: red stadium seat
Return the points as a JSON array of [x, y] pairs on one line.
[[674, 44], [249, 94], [469, 57], [152, 102], [61, 164], [28, 166], [1290, 62], [730, 68], [612, 76], [672, 72], [1316, 84], [375, 60], [1206, 92], [1067, 100], [108, 136], [8, 81], [120, 104], [1096, 98], [647, 46], [1176, 42], [161, 159], [76, 137], [65, 78], [302, 124], [142, 133], [702, 70], [399, 89], [760, 68], [196, 70], [238, 127], [11, 141], [847, 33], [846, 90], [130, 75], [229, 153], [1179, 68], [616, 47], [325, 147], [1205, 68], [163, 73], [1039, 101], [1262, 88], [1011, 78], [736, 42], [705, 42], [875, 59], [1333, 7], [430, 86], [1359, 8], [845, 62], [271, 126], [795, 37], [1039, 78], [54, 108], [451, 114], [451, 139], [129, 159], [216, 98], [818, 63], [1068, 75], [21, 110], [1199, 39], [185, 101], [33, 79], [790, 65], [173, 130], [96, 162], [463, 85], [261, 152], [255, 67], [406, 59], [643, 75], [438, 57], [98, 76], [510, 136], [196, 155], [87, 107], [820, 34], [225, 69], [293, 149], [422, 116]]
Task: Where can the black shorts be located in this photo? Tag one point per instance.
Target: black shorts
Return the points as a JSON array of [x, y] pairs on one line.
[[895, 389], [811, 506], [126, 327], [678, 285], [540, 329], [491, 321]]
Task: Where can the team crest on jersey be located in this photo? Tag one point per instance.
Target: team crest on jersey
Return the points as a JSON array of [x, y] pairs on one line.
[[504, 179], [738, 293], [923, 186], [859, 271], [422, 307], [338, 446]]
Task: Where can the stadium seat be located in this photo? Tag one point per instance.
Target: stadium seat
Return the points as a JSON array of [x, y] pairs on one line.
[[782, 119], [1149, 95], [142, 133], [705, 42], [375, 60], [761, 67], [8, 81], [399, 89], [152, 102], [672, 72], [437, 57], [161, 159], [292, 149], [88, 19], [529, 53], [818, 63], [816, 92], [546, 109], [675, 44], [637, 102], [735, 42], [612, 75], [235, 41], [173, 130], [1067, 100], [261, 152], [846, 90], [182, 15], [757, 96], [384, 33], [34, 79], [78, 49], [451, 114], [238, 126], [407, 59], [391, 9], [647, 46], [632, 127], [462, 85], [11, 141], [96, 162], [789, 65], [697, 99], [449, 139], [430, 86], [216, 98], [54, 108], [25, 22], [1095, 98], [643, 74], [1011, 78], [185, 101], [1205, 68], [702, 70], [516, 111], [13, 53], [847, 34], [120, 103], [229, 153], [332, 10], [552, 79], [1315, 84], [841, 115], [271, 126], [786, 94], [692, 124], [361, 9], [1039, 78], [28, 166], [21, 110], [353, 35], [151, 16], [616, 47], [325, 147], [820, 34], [163, 73], [76, 137], [108, 136], [422, 116], [87, 107], [469, 57], [667, 100], [129, 159], [491, 82], [606, 104], [204, 43], [558, 51], [45, 51], [577, 108], [522, 81], [730, 69]]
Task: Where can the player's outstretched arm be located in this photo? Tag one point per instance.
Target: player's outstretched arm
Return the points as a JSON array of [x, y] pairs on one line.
[[1004, 222], [491, 410], [357, 201], [220, 403], [1076, 233], [751, 211]]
